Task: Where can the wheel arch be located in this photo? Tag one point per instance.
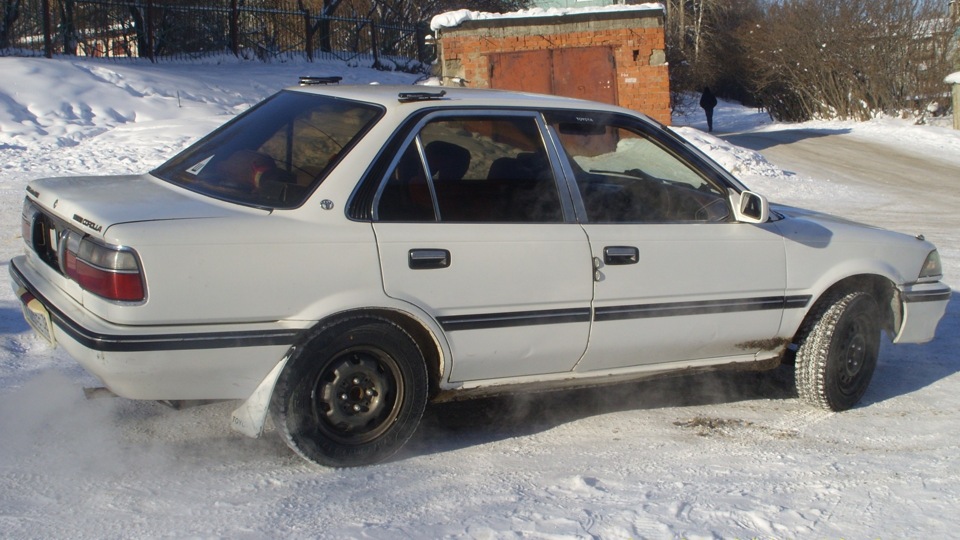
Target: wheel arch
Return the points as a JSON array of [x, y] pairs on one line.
[[351, 391], [425, 337], [250, 416], [883, 290]]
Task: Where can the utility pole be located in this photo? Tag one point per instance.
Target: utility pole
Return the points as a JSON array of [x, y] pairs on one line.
[[954, 79]]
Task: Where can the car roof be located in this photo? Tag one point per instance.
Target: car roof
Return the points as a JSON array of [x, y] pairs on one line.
[[388, 96]]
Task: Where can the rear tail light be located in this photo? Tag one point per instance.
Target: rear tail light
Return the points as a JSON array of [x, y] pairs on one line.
[[112, 272], [26, 222]]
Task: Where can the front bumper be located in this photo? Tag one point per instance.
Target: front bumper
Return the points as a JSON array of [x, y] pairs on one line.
[[923, 306], [168, 362]]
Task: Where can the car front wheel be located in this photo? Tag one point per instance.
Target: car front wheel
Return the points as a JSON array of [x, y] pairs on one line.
[[353, 395], [838, 351]]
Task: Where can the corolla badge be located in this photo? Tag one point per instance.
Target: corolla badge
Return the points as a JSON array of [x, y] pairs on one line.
[[87, 223]]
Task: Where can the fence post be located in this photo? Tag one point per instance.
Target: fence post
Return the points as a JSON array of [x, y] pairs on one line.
[[420, 42], [69, 30], [47, 30], [375, 45], [150, 31], [956, 105], [235, 27], [307, 32]]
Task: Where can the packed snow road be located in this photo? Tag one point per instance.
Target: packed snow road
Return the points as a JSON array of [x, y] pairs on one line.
[[717, 456], [850, 158], [894, 187]]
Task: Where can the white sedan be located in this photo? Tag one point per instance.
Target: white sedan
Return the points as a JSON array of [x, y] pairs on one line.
[[339, 256]]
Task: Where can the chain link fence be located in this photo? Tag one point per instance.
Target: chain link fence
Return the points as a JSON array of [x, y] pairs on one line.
[[156, 30]]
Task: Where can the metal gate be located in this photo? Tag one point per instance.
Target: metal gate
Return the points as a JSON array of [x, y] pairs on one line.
[[581, 72]]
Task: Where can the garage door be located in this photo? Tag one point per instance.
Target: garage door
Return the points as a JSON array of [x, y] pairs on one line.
[[581, 72]]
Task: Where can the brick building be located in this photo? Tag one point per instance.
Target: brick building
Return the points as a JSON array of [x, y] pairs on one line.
[[615, 55]]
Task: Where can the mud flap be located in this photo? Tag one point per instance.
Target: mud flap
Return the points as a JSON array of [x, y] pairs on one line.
[[250, 417]]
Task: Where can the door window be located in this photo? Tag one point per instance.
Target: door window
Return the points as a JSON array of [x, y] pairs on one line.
[[473, 169], [625, 176]]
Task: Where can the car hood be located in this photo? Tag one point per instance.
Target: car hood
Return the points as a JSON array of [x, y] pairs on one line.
[[814, 228], [94, 203], [813, 215]]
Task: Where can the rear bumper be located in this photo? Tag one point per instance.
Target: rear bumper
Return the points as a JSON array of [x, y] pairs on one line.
[[158, 362], [923, 306]]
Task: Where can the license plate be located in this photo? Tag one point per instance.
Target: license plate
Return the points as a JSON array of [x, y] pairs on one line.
[[37, 316]]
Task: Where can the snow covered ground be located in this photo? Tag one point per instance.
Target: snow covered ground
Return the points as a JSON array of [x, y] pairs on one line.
[[715, 456]]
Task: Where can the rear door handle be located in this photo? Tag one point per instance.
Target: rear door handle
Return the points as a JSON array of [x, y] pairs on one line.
[[426, 259], [621, 255]]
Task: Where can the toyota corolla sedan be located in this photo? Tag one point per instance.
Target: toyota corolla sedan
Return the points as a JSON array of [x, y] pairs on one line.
[[339, 256]]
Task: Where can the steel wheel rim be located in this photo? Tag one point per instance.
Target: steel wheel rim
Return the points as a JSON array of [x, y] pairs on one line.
[[853, 357], [357, 395]]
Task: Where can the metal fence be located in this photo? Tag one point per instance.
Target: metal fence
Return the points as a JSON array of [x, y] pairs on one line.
[[155, 30]]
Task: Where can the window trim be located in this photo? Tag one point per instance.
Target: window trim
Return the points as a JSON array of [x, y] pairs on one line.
[[360, 204], [380, 112], [410, 133], [673, 146]]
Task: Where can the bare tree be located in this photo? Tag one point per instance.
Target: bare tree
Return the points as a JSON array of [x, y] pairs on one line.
[[703, 48], [846, 58], [11, 12], [691, 25], [393, 12], [405, 12]]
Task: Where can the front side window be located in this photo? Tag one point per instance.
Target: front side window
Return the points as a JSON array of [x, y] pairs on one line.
[[473, 169], [275, 154], [625, 176]]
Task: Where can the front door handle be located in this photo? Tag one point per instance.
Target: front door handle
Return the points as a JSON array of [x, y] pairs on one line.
[[426, 259], [621, 255]]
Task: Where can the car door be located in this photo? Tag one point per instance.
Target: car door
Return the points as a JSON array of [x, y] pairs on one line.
[[473, 229], [676, 278]]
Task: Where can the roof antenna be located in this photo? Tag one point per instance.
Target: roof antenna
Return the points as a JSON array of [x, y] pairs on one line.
[[313, 81], [406, 97]]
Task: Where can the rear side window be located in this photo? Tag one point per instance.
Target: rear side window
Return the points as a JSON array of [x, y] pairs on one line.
[[473, 169], [275, 154]]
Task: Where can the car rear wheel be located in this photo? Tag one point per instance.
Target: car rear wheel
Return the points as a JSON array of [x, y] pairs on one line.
[[838, 351], [353, 395]]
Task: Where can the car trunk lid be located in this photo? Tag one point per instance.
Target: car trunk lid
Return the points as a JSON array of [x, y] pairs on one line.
[[92, 204]]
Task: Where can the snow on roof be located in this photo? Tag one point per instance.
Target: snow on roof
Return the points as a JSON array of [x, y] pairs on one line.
[[953, 78], [453, 19]]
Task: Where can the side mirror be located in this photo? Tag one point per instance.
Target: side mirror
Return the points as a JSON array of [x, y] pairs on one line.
[[750, 207]]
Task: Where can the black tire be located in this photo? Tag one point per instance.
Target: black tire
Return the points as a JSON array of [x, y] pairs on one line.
[[353, 394], [838, 351]]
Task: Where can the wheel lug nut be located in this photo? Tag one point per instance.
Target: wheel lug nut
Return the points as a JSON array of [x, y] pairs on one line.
[[356, 408], [343, 397], [356, 380]]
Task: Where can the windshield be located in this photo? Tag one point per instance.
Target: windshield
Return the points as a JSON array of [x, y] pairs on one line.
[[275, 154]]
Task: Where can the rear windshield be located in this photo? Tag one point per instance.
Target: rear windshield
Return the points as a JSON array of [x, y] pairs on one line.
[[275, 154]]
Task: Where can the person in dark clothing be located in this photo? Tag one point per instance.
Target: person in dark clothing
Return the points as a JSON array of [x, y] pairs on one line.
[[708, 101]]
